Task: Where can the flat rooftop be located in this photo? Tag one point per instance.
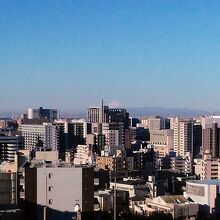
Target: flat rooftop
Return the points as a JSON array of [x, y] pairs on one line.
[[206, 181]]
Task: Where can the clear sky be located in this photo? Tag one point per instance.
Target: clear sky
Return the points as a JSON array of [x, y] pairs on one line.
[[69, 54]]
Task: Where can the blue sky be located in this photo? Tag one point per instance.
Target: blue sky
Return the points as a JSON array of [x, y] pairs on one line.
[[70, 54]]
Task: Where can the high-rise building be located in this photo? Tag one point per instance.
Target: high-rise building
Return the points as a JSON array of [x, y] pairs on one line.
[[72, 133], [183, 136], [207, 122], [114, 134], [197, 139], [9, 145], [8, 186], [40, 113], [110, 126], [98, 114], [210, 140], [40, 137], [119, 116]]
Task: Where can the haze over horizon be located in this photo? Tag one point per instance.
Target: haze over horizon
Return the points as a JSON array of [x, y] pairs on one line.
[[69, 55]]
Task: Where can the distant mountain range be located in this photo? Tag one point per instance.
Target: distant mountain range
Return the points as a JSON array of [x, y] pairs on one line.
[[134, 112], [166, 112]]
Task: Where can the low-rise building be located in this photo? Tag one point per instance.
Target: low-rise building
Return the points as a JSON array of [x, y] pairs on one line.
[[206, 193], [177, 205]]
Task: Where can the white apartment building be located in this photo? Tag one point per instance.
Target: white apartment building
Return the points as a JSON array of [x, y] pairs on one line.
[[42, 137], [83, 155], [207, 168], [182, 163]]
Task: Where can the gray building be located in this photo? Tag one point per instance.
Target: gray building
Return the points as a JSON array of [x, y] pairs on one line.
[[9, 145], [55, 191], [8, 188]]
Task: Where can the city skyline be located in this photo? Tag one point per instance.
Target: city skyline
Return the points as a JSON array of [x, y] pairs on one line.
[[71, 54]]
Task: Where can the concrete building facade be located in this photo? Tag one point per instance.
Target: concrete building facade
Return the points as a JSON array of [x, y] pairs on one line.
[[183, 136], [55, 191], [44, 137], [206, 194]]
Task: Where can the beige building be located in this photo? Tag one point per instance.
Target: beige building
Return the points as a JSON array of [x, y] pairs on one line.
[[207, 168], [162, 141], [113, 163], [206, 194], [177, 205], [83, 155], [154, 122], [183, 136]]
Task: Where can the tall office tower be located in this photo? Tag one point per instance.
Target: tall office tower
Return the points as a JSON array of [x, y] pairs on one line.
[[133, 122], [119, 115], [9, 145], [197, 139], [156, 123], [98, 114], [104, 114], [146, 160], [42, 137], [111, 135], [62, 126], [215, 140], [110, 125], [41, 113], [114, 134], [210, 140], [79, 128], [183, 136], [71, 133], [208, 121]]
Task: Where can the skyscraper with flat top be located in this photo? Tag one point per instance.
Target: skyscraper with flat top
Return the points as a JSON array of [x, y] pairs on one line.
[[40, 113], [183, 136], [98, 114]]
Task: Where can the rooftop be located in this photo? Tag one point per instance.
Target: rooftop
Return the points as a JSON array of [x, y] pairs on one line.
[[174, 199], [206, 181]]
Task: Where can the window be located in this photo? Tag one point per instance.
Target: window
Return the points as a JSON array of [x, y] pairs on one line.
[[50, 188], [50, 201], [50, 175]]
